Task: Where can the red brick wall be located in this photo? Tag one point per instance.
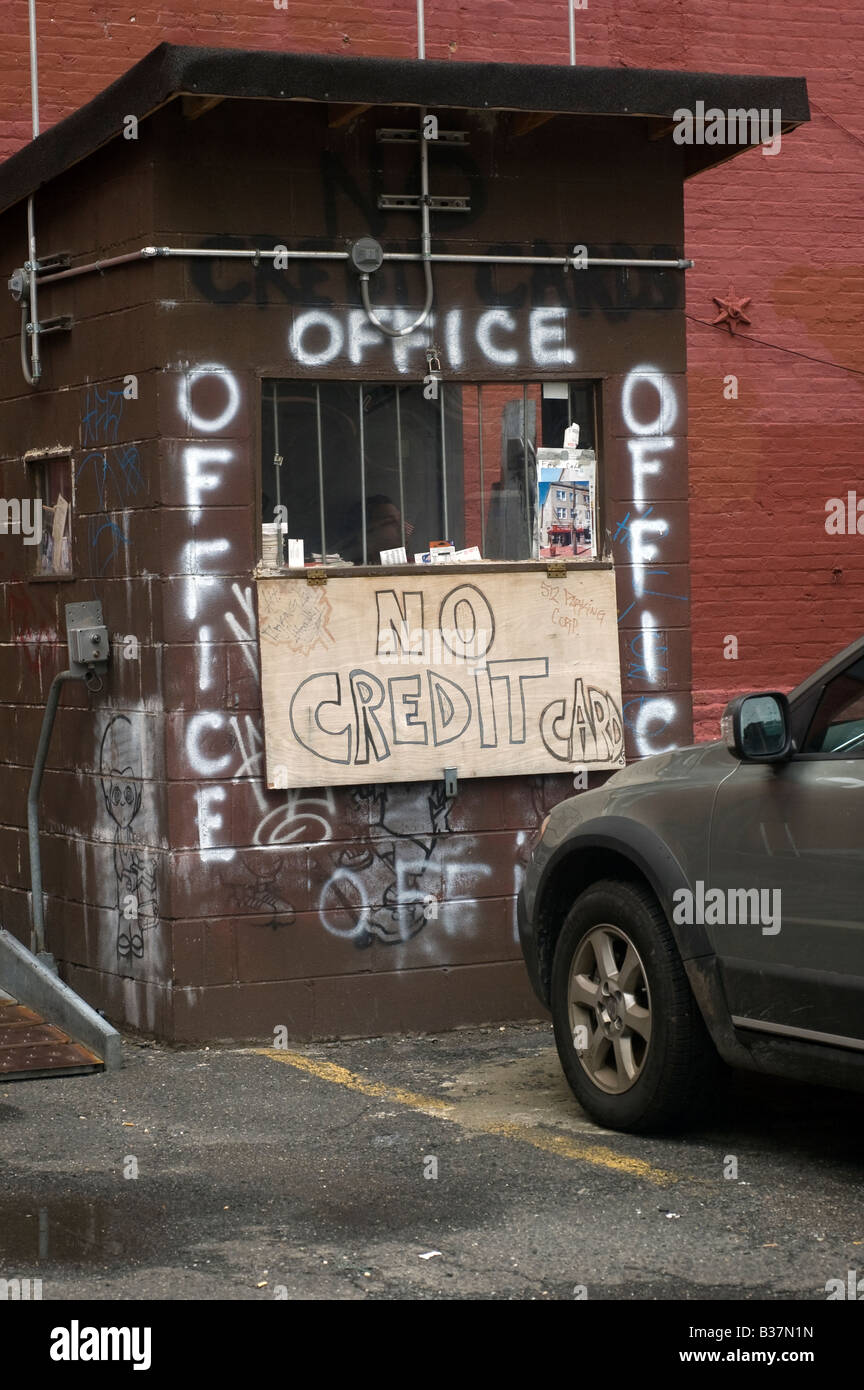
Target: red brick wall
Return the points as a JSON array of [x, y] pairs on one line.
[[783, 231]]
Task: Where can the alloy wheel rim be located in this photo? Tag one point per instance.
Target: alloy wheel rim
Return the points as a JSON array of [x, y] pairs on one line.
[[609, 1008]]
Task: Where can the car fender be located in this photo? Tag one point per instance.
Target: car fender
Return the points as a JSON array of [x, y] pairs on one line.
[[648, 853], [652, 857]]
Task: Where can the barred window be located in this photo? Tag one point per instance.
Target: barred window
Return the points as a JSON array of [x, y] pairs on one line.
[[367, 473]]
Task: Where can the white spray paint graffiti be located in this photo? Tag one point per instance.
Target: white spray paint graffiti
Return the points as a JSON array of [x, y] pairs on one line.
[[300, 817], [385, 886], [209, 424], [205, 563], [385, 889], [203, 471], [650, 440], [319, 336]]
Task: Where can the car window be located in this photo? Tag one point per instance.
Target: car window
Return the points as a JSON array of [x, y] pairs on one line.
[[838, 724]]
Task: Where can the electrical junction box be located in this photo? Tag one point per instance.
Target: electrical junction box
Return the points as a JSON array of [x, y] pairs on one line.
[[87, 636], [366, 255]]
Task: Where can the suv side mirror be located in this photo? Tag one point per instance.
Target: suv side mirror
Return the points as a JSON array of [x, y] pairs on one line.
[[757, 728]]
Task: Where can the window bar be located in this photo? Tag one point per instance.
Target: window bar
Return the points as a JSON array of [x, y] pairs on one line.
[[598, 519], [362, 469], [399, 461], [277, 469], [320, 471], [525, 470], [446, 536], [482, 480]]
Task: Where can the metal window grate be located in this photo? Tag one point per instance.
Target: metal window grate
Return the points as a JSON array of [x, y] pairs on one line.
[[400, 466], [321, 478], [347, 442], [362, 438]]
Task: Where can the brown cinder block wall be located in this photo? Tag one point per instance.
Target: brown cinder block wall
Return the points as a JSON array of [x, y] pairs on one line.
[[155, 784]]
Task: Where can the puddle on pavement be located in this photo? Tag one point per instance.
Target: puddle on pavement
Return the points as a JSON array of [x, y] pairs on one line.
[[73, 1231]]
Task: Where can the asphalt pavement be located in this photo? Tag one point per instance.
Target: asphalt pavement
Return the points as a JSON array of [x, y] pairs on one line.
[[451, 1167]]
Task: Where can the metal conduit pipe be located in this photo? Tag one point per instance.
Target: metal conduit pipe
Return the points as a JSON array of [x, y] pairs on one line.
[[425, 254], [146, 253], [456, 258], [421, 31], [408, 327], [25, 365], [568, 262], [34, 371], [37, 943]]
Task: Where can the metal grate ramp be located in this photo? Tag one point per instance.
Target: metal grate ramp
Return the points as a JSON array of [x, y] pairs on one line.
[[31, 1048]]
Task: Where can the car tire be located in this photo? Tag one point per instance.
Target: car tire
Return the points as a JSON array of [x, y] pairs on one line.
[[631, 1039]]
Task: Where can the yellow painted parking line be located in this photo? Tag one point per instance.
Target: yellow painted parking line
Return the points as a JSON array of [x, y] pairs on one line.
[[559, 1144], [340, 1076], [586, 1153]]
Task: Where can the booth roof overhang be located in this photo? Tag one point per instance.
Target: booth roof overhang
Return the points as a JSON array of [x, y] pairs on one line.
[[209, 75]]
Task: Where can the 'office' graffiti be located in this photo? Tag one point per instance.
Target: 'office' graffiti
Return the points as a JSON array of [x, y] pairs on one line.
[[205, 564], [319, 337], [648, 716]]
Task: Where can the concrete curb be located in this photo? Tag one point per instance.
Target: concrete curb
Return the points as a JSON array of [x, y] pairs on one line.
[[33, 984]]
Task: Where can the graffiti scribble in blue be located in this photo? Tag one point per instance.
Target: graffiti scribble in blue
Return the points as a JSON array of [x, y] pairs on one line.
[[115, 468], [100, 423], [622, 528], [661, 593], [646, 665], [651, 575]]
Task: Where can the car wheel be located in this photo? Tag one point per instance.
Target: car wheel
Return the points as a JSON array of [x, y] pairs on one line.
[[629, 1034]]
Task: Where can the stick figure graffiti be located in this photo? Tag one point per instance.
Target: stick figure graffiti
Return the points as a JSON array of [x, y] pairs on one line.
[[121, 774]]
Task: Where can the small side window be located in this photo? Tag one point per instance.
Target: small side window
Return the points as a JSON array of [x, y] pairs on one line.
[[837, 727], [51, 490]]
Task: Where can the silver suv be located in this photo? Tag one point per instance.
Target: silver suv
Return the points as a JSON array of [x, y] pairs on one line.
[[707, 905]]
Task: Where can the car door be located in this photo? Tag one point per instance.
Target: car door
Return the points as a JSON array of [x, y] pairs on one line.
[[797, 829]]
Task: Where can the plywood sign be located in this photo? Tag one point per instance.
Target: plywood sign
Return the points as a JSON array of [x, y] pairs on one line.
[[393, 678]]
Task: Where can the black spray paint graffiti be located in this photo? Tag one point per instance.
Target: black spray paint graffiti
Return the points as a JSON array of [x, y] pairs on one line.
[[121, 774], [257, 893], [388, 890], [613, 291]]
